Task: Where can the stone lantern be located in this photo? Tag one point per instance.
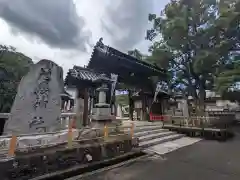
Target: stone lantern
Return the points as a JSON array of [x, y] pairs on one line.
[[102, 111]]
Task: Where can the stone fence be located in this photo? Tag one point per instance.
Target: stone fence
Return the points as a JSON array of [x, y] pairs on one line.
[[211, 119]]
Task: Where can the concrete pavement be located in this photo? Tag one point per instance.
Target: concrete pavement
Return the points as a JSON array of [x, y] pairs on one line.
[[205, 160], [170, 146]]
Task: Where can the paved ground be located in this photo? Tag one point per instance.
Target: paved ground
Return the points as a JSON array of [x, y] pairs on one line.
[[205, 160], [172, 145]]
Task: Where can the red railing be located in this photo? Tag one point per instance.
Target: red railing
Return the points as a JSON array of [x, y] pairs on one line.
[[157, 117]]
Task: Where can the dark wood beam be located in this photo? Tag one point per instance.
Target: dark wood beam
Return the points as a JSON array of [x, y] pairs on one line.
[[85, 110]]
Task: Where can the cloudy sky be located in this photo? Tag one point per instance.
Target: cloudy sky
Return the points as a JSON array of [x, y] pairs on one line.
[[66, 30]]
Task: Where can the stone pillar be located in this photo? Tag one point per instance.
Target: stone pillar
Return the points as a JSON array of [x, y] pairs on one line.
[[185, 108], [102, 96], [119, 111], [78, 109]]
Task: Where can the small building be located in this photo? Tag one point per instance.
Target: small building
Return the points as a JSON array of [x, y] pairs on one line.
[[119, 68], [144, 105], [84, 82]]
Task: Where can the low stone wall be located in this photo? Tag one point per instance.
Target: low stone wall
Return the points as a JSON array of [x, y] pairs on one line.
[[37, 162], [221, 119], [212, 119]]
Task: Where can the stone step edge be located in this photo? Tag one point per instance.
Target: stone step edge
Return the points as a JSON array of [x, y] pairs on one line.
[[143, 127], [147, 128], [160, 140], [148, 132], [155, 136]]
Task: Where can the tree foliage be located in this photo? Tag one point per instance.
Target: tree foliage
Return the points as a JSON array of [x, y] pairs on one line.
[[195, 40], [229, 79], [13, 66], [228, 23], [122, 99]]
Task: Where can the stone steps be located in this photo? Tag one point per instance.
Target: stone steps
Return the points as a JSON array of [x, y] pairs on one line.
[[151, 135], [145, 133], [143, 129], [146, 144], [155, 136], [147, 128]]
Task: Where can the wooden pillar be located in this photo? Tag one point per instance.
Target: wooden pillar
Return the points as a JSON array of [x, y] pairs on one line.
[[159, 107], [85, 110], [162, 106], [144, 110], [131, 105]]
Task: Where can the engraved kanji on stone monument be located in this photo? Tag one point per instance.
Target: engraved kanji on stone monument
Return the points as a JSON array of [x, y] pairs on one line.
[[42, 90], [37, 105]]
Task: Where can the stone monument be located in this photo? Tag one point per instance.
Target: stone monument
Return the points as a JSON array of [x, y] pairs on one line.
[[37, 105]]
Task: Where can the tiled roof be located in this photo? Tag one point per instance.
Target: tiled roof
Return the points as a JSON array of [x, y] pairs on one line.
[[109, 59], [86, 74]]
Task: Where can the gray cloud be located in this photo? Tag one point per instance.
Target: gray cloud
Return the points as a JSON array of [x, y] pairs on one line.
[[128, 22], [54, 21]]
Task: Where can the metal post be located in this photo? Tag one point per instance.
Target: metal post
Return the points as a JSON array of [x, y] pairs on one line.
[[105, 131], [132, 130], [12, 146], [70, 135]]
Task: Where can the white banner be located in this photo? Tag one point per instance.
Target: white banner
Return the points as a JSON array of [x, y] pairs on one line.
[[158, 89]]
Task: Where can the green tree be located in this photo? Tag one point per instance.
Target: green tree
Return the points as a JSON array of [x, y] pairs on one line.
[[13, 66], [229, 79], [122, 99], [229, 31], [188, 41]]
